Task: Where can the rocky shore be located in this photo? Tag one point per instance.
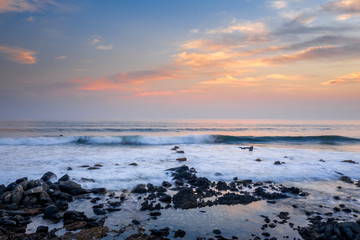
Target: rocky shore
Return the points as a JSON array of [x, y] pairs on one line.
[[49, 197]]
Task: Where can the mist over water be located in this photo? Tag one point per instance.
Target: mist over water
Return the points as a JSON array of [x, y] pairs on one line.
[[31, 148]]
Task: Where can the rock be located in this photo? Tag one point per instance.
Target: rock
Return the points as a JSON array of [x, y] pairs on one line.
[[261, 192], [74, 216], [72, 188], [99, 211], [48, 176], [135, 222], [166, 184], [99, 190], [233, 198], [181, 159], [180, 151], [346, 179], [179, 233], [160, 232], [221, 186], [2, 189], [218, 174], [185, 199], [42, 229], [246, 181], [165, 198], [93, 168], [277, 163], [64, 178], [175, 148], [61, 205], [155, 214], [258, 160], [69, 168], [217, 232], [84, 166], [34, 183], [45, 198], [87, 180], [179, 182], [49, 211], [349, 161], [139, 189], [17, 195], [133, 164], [9, 222], [34, 190], [98, 165]]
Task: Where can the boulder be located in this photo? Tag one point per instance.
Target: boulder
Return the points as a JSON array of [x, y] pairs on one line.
[[42, 229], [50, 211], [139, 189], [99, 190], [74, 216], [72, 188], [44, 198], [64, 178], [185, 199], [48, 176], [17, 195], [34, 190]]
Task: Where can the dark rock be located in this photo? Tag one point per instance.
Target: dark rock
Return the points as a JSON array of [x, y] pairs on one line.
[[84, 166], [155, 214], [45, 198], [99, 211], [48, 176], [165, 198], [180, 151], [217, 231], [74, 216], [222, 186], [42, 229], [218, 174], [11, 187], [179, 182], [2, 189], [160, 232], [266, 234], [246, 181], [34, 183], [181, 159], [93, 168], [166, 184], [179, 233], [185, 199], [61, 205], [87, 180], [49, 211], [349, 161], [17, 195], [98, 165], [69, 168], [277, 163], [258, 160], [346, 179], [133, 164], [233, 198], [64, 178], [261, 192], [72, 188], [139, 189], [99, 190], [135, 222], [34, 190]]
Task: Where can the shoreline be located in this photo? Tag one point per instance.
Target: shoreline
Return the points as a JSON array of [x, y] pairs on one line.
[[159, 212]]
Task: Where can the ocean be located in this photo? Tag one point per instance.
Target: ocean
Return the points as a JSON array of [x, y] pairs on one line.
[[127, 153], [212, 147]]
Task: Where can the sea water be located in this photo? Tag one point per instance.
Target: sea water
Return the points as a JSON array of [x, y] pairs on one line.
[[31, 148]]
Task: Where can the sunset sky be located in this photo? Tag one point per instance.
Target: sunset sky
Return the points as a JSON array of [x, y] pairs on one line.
[[162, 59]]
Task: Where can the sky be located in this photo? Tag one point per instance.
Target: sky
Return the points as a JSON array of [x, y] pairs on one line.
[[161, 59]]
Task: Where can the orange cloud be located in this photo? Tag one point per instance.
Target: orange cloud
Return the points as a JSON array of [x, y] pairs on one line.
[[351, 78], [202, 59], [121, 81], [229, 80], [283, 77], [18, 55], [250, 27], [154, 93]]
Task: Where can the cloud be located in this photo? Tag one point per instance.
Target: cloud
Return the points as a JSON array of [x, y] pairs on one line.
[[284, 77], [18, 55], [348, 79], [250, 27], [24, 5], [154, 93], [346, 8], [105, 47], [232, 81], [194, 31], [278, 4], [61, 58], [30, 19], [95, 40], [122, 81]]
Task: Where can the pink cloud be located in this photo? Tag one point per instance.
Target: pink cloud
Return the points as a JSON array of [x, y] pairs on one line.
[[18, 55]]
